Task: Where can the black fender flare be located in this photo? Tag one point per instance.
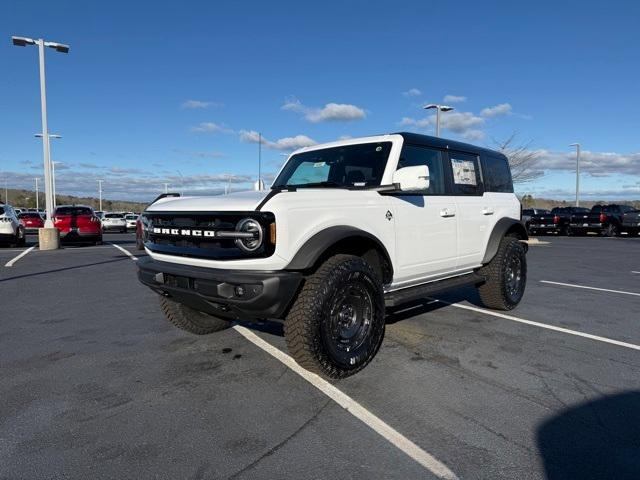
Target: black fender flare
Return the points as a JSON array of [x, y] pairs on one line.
[[307, 256], [504, 226]]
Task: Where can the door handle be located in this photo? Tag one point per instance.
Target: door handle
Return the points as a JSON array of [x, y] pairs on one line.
[[487, 211], [447, 212]]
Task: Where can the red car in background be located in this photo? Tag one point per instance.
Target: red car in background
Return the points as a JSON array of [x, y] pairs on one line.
[[31, 221], [78, 224]]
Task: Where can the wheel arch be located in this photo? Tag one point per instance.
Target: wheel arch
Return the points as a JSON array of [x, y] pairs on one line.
[[343, 239], [504, 227]]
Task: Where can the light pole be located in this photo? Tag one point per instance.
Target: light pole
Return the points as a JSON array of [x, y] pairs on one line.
[[37, 196], [100, 195], [6, 192], [438, 108], [259, 184], [49, 237], [53, 166], [166, 188], [577, 145], [181, 182]]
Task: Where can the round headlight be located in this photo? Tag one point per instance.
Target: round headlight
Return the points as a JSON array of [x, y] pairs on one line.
[[254, 241]]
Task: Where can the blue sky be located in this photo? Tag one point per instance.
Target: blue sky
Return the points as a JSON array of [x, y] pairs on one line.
[[155, 92]]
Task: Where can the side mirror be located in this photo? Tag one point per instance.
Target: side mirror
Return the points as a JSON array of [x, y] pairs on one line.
[[412, 178]]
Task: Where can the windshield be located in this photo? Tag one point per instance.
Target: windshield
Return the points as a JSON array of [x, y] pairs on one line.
[[113, 215], [29, 215], [73, 211], [131, 217], [360, 165]]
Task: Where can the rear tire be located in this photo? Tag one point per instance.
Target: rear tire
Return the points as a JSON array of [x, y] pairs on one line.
[[506, 276], [611, 231], [21, 238], [191, 320], [336, 324]]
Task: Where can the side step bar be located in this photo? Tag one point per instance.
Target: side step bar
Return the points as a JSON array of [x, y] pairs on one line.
[[399, 297]]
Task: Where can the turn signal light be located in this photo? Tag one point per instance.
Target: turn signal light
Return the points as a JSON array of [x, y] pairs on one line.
[[272, 233]]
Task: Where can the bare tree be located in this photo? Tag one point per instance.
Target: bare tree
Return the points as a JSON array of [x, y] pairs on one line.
[[522, 159]]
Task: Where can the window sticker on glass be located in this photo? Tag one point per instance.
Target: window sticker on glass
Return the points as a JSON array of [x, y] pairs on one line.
[[464, 172], [319, 164]]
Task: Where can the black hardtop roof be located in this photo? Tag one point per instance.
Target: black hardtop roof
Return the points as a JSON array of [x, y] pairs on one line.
[[428, 140]]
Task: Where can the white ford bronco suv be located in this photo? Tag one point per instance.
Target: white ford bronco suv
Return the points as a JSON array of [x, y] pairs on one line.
[[347, 229]]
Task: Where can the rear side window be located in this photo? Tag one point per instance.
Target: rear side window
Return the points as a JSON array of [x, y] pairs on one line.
[[466, 174], [73, 211], [497, 175], [413, 156]]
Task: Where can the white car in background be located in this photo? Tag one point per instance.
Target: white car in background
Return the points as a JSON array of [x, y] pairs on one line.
[[11, 230], [131, 221], [114, 222]]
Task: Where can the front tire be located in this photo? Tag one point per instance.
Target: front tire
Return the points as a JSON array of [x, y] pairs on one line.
[[336, 324], [611, 230], [191, 320], [506, 276]]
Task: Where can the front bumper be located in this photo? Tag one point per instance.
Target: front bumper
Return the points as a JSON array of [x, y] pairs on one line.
[[232, 294], [544, 227], [587, 227], [80, 235], [118, 227]]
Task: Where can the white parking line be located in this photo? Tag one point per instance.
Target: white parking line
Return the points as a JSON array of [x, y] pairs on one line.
[[544, 325], [633, 271], [125, 251], [591, 288], [15, 259], [394, 437]]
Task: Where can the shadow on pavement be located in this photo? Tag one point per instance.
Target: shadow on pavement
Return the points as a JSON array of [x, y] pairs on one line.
[[598, 439], [119, 259]]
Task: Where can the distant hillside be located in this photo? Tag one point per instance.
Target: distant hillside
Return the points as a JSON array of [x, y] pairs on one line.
[[27, 198], [529, 201]]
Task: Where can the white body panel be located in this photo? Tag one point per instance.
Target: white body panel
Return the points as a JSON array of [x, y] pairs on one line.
[[9, 222], [427, 237]]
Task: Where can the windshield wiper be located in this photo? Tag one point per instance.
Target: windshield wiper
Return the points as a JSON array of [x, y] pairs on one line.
[[315, 184]]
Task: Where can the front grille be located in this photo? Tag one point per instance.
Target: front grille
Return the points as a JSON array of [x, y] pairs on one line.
[[193, 234]]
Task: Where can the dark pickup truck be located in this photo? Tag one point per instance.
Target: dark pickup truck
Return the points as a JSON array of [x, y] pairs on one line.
[[602, 219], [556, 221], [631, 222]]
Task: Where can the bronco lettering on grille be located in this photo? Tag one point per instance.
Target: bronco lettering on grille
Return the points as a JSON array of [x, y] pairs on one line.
[[176, 232]]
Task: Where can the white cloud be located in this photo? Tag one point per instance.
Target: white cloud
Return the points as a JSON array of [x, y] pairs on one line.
[[596, 164], [210, 127], [286, 143], [473, 135], [193, 104], [468, 125], [331, 112], [496, 111], [412, 92], [459, 122], [454, 99]]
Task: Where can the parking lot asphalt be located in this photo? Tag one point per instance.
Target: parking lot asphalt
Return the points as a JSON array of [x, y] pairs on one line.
[[95, 383]]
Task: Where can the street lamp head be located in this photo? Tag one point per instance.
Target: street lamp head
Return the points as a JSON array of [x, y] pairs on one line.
[[51, 135], [445, 108], [59, 47], [574, 145], [22, 41], [431, 105]]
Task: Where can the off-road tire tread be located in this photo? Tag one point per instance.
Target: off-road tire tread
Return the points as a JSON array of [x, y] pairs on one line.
[[492, 292], [179, 316], [299, 323]]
